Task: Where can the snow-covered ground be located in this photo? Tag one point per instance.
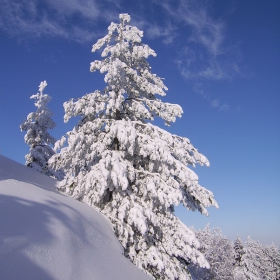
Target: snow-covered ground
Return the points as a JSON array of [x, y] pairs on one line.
[[47, 235]]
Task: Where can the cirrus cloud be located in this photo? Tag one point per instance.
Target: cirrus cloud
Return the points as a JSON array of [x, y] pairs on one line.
[[70, 19]]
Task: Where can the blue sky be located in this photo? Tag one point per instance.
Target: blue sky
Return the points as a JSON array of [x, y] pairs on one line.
[[221, 63]]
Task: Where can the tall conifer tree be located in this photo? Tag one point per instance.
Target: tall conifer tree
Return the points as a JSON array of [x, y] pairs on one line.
[[131, 170]]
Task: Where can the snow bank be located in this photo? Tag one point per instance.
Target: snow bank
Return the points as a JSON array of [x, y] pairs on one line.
[[47, 235]]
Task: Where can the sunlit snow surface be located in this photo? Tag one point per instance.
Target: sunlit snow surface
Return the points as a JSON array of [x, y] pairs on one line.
[[46, 235]]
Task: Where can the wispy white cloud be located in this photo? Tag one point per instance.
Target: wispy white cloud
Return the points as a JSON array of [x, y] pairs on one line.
[[224, 107], [152, 30], [205, 30], [238, 108], [87, 9], [71, 19], [204, 55], [200, 36], [168, 33], [215, 103], [196, 65]]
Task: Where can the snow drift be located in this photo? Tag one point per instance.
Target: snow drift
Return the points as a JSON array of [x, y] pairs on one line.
[[47, 235]]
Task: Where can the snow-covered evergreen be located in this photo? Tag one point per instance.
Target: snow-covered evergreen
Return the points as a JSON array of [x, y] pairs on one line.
[[258, 262], [218, 251], [236, 261], [37, 136], [238, 253], [131, 170], [272, 255]]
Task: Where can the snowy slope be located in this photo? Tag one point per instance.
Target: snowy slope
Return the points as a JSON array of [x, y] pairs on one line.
[[46, 235]]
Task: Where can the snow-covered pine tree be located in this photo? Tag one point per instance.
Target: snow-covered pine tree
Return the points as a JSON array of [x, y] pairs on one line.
[[37, 136], [272, 257], [238, 250], [238, 253], [218, 251], [133, 171], [260, 262], [252, 260]]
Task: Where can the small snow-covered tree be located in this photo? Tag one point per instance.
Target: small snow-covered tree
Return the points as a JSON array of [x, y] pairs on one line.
[[218, 251], [252, 260], [238, 253], [133, 171], [259, 262], [272, 257], [37, 136]]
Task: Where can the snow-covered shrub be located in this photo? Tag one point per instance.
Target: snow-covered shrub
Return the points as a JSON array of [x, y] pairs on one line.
[[131, 170]]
